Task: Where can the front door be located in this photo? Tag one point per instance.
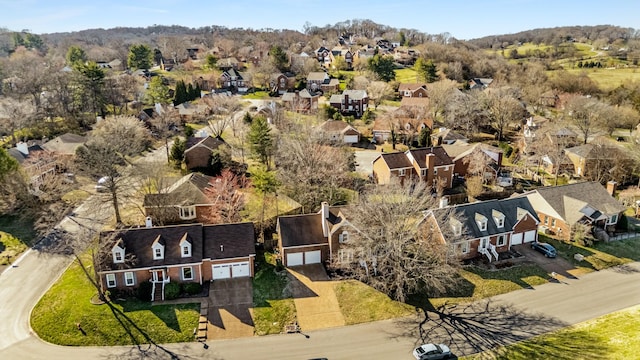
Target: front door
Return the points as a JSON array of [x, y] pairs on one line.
[[484, 243], [157, 275]]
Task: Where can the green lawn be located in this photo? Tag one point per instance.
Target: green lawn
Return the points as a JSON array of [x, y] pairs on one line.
[[360, 303], [10, 248], [16, 236], [613, 336], [608, 79], [273, 307], [67, 303], [600, 256], [478, 284], [258, 95], [407, 75]]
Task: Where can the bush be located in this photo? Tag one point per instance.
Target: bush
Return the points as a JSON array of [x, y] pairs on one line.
[[506, 148], [144, 291], [171, 291], [192, 288]]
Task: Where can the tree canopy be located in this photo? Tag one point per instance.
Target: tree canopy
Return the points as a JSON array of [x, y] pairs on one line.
[[140, 57]]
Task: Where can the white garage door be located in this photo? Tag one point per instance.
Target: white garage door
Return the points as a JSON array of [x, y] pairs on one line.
[[351, 139], [312, 257], [516, 239], [240, 269], [294, 259], [530, 236], [221, 271]]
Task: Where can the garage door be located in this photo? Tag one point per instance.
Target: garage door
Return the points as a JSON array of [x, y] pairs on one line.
[[221, 271], [351, 139], [240, 269], [516, 239], [312, 257], [530, 236], [294, 259]]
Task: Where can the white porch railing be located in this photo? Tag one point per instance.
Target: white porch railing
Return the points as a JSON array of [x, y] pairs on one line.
[[492, 248], [490, 252]]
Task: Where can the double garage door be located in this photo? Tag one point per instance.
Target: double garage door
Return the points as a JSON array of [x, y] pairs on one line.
[[527, 237], [304, 258], [234, 270]]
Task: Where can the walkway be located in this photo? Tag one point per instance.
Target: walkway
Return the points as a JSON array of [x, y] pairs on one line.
[[315, 298]]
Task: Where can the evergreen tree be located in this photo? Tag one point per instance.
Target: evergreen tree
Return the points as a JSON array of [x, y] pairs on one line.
[[383, 67], [181, 95], [158, 92], [424, 138], [76, 54], [140, 57], [426, 69], [260, 140], [247, 119], [177, 150], [279, 58]]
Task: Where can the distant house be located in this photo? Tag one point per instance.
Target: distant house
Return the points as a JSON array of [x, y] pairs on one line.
[[561, 208], [486, 228], [431, 165], [412, 90], [315, 238], [229, 63], [184, 254], [36, 162], [346, 54], [462, 154], [479, 83], [320, 81], [167, 64], [184, 200], [338, 131], [354, 102], [406, 127], [301, 101], [233, 80], [280, 83], [322, 55], [585, 157], [198, 151], [444, 136], [65, 144]]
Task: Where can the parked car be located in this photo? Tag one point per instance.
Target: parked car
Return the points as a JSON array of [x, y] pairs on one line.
[[432, 352], [544, 248], [101, 185]]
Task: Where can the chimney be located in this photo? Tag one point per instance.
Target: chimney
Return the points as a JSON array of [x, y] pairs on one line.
[[148, 223], [324, 211], [23, 148], [611, 187], [444, 202]]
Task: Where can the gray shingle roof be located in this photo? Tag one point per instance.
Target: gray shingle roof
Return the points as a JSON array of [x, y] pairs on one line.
[[299, 230]]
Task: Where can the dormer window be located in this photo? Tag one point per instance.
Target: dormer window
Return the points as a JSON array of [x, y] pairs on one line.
[[456, 227], [498, 217], [187, 212], [158, 249], [185, 246], [118, 252], [402, 172], [481, 221]]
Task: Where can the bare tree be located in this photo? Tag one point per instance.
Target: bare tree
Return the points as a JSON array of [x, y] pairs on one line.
[[224, 109], [15, 115], [395, 251], [224, 193], [503, 108], [439, 94], [585, 114], [165, 125], [464, 112], [379, 91]]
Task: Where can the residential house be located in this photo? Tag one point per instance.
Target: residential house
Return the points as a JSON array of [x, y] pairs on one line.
[[338, 131], [229, 63], [444, 136], [412, 90], [184, 200], [586, 157], [65, 144], [432, 165], [406, 127], [280, 83], [353, 102], [232, 79], [479, 83], [167, 64], [315, 238], [197, 153], [320, 81], [189, 111], [485, 228], [36, 162], [462, 154], [346, 54], [301, 101], [405, 55], [561, 208], [322, 54], [193, 253]]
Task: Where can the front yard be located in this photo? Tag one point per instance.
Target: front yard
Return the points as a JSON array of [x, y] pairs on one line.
[[272, 302], [67, 304], [16, 236], [601, 256]]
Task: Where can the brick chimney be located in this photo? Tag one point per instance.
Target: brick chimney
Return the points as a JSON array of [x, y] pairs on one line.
[[431, 163], [611, 187], [324, 211]]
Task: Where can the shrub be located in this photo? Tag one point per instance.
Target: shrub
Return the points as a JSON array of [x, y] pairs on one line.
[[171, 291], [192, 288], [144, 291]]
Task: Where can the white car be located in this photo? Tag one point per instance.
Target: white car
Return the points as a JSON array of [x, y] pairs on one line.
[[101, 185], [432, 352]]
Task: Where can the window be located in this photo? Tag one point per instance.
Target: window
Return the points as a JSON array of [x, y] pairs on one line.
[[501, 240], [498, 218], [187, 212], [613, 219], [186, 251], [117, 257], [129, 279], [546, 220], [402, 172], [464, 247], [345, 255], [500, 222], [344, 237], [111, 280], [187, 273], [158, 252], [423, 172], [553, 222], [435, 171]]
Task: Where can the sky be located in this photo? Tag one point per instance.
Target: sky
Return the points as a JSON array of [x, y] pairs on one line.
[[463, 19]]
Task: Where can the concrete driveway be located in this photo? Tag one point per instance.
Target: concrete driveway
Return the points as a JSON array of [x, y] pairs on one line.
[[315, 299], [230, 309], [556, 265], [364, 160]]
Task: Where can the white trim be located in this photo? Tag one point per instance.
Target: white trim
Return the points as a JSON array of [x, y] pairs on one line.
[[182, 272], [133, 278], [154, 267], [187, 212], [113, 278], [303, 246]]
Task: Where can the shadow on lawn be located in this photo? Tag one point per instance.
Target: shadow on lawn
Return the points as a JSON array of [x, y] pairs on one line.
[[489, 326]]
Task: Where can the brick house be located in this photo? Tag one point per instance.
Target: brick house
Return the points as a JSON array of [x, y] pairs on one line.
[[353, 102], [197, 153], [432, 165], [194, 253], [485, 228], [412, 90], [340, 132], [301, 101]]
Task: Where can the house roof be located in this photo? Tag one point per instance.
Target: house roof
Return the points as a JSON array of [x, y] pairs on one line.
[[397, 160], [414, 102], [355, 94], [65, 143], [591, 151], [317, 76], [459, 150], [449, 135], [20, 157], [567, 201], [227, 241], [411, 86], [300, 230], [336, 126], [420, 156], [469, 214], [188, 190], [208, 142]]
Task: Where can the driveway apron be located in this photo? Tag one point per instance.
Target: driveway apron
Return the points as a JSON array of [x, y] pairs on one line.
[[230, 313]]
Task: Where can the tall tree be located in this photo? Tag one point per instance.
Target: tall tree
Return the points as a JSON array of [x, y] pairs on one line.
[[585, 113], [503, 109], [91, 82], [157, 92], [382, 67], [379, 91], [76, 54], [140, 57], [180, 93], [426, 69], [260, 140], [165, 125], [225, 195], [279, 58]]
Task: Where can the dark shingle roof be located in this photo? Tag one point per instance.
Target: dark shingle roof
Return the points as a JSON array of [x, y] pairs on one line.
[[299, 230], [420, 155], [188, 190], [228, 241], [396, 160], [209, 142]]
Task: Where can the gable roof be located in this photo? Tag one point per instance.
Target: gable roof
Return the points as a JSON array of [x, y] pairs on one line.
[[188, 190], [336, 126], [227, 241], [567, 201], [411, 86], [448, 135], [300, 230], [208, 142], [65, 143], [414, 102], [317, 76], [420, 156], [591, 151], [459, 150], [513, 210], [397, 160]]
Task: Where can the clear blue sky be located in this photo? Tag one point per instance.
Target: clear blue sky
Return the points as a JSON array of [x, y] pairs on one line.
[[463, 19]]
